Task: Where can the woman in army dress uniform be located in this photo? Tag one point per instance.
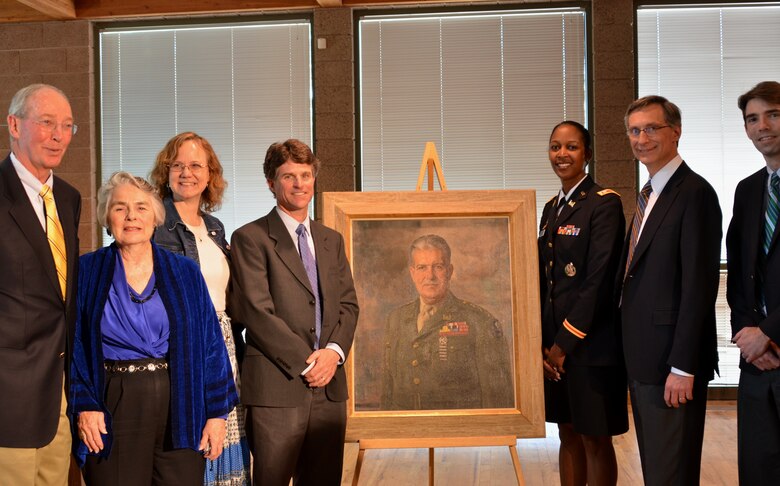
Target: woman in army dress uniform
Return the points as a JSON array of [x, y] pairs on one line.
[[580, 239]]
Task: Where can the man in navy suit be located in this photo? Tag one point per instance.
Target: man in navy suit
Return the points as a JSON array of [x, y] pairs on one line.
[[292, 289], [669, 282], [37, 289], [753, 292]]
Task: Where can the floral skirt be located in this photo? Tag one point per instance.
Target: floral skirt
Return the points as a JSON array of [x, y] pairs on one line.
[[231, 468]]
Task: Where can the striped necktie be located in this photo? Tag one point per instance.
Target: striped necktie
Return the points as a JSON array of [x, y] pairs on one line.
[[772, 210], [636, 225], [56, 237], [310, 264]]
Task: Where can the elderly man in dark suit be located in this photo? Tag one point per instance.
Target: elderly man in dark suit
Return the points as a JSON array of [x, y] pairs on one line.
[[753, 292], [39, 218], [669, 285], [292, 289]]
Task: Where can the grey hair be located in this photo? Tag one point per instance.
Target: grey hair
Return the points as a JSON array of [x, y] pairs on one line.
[[430, 241], [106, 193], [18, 106]]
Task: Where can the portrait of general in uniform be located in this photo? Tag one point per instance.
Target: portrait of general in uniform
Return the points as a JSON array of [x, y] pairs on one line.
[[437, 334]]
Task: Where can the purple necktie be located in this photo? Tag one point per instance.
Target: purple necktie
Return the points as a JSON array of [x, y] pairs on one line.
[[310, 264]]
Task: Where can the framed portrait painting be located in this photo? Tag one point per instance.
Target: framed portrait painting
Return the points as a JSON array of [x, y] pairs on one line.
[[448, 339]]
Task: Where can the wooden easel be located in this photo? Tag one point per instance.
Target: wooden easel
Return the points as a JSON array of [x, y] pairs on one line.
[[430, 164], [430, 161], [432, 442]]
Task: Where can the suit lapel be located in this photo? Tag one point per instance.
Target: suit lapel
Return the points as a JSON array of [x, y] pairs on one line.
[[24, 215], [285, 249], [658, 213]]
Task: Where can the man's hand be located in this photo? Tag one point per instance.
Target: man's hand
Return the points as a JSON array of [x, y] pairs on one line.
[[767, 361], [678, 390], [326, 361], [91, 425], [213, 438], [752, 342]]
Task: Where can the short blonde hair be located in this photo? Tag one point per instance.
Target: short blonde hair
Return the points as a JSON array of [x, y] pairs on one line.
[[106, 193]]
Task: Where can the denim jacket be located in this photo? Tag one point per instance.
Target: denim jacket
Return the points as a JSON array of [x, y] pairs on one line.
[[174, 235]]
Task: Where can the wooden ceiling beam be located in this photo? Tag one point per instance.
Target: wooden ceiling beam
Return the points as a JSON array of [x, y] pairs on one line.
[[97, 9], [56, 9], [329, 3]]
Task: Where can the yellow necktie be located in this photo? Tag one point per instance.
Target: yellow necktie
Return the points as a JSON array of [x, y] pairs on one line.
[[56, 237]]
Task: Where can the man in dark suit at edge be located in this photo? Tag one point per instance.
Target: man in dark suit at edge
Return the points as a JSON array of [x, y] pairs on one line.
[[753, 292], [668, 289], [292, 289], [39, 247]]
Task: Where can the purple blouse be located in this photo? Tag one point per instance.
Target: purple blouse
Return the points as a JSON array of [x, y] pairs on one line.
[[134, 327]]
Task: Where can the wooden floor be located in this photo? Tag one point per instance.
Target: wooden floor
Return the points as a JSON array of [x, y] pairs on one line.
[[492, 466]]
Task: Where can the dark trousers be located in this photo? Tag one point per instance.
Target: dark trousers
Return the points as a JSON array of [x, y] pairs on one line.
[[670, 439], [758, 428], [305, 443], [142, 451]]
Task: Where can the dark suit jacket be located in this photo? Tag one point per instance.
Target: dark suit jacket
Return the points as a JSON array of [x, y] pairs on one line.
[[744, 245], [36, 327], [271, 296], [579, 255], [668, 301]]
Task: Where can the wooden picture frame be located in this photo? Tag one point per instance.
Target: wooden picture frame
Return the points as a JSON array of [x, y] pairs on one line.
[[494, 229]]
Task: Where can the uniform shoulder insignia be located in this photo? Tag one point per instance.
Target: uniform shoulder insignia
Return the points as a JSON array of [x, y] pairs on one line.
[[552, 199], [604, 192]]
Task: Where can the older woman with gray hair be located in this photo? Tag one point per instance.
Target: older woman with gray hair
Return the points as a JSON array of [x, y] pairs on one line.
[[151, 383]]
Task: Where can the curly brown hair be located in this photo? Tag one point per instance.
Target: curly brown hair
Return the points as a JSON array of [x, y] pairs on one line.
[[211, 198]]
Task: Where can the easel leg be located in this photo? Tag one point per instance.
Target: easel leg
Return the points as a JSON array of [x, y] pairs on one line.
[[430, 466], [358, 465], [516, 464]]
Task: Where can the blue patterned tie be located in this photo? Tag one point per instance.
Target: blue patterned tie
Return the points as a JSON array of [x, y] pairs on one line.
[[310, 264], [636, 225], [772, 210]]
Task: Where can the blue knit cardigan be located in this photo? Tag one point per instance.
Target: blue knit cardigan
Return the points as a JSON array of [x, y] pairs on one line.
[[201, 378]]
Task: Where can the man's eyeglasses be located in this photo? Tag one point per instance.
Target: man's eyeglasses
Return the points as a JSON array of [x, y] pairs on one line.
[[49, 126], [194, 168], [650, 131]]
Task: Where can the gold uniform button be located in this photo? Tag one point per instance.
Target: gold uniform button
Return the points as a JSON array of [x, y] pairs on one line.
[[415, 362], [549, 244], [62, 355], [551, 263], [416, 381]]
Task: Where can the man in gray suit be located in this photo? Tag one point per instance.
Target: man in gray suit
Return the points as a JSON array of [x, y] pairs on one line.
[[39, 248], [292, 289]]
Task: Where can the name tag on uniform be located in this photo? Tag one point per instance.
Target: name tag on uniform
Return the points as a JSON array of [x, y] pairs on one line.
[[568, 230]]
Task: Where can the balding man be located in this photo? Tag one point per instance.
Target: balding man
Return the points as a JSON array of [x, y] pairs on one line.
[[39, 217], [442, 352]]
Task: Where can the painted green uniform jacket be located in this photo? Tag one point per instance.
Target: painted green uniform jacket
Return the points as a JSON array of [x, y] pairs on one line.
[[459, 360]]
